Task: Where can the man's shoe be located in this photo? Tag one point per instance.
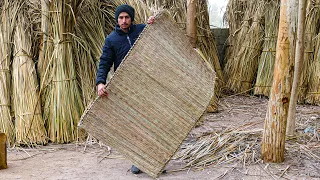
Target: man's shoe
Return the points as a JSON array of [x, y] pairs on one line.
[[135, 170]]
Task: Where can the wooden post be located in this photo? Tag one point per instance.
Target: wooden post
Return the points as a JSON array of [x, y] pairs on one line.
[[191, 22], [299, 55], [3, 151], [273, 141]]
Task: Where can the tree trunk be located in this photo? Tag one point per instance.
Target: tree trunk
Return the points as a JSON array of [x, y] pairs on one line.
[[3, 151], [273, 142], [191, 22], [299, 55]]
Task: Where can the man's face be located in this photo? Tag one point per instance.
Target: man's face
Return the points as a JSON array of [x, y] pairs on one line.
[[124, 20]]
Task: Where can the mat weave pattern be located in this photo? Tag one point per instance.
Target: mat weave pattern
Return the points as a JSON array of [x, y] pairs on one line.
[[155, 98]]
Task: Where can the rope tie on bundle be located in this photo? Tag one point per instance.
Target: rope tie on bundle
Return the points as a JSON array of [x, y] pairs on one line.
[[28, 113], [69, 79], [8, 105], [241, 80], [4, 70], [313, 92]]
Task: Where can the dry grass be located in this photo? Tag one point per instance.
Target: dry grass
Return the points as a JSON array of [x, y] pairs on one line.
[[62, 100], [242, 145], [241, 70], [233, 144], [234, 15], [8, 16], [29, 125], [312, 66], [268, 55]]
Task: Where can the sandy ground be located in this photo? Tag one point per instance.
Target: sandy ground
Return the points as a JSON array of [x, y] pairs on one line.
[[80, 161]]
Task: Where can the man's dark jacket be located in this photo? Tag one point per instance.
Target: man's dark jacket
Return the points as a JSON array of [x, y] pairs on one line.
[[116, 46]]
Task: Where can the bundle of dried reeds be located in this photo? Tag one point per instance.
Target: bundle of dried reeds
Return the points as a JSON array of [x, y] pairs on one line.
[[238, 144], [241, 70], [313, 92], [61, 97], [268, 55], [90, 35], [8, 16], [29, 125], [234, 15], [206, 44], [309, 81]]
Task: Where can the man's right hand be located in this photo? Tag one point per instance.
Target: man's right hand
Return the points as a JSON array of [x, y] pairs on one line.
[[102, 90]]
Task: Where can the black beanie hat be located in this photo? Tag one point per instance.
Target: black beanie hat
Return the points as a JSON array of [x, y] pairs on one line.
[[125, 8]]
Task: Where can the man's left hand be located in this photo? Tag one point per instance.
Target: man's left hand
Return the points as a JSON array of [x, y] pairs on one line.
[[151, 20]]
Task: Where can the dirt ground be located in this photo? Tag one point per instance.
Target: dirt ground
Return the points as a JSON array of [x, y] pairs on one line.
[[92, 161]]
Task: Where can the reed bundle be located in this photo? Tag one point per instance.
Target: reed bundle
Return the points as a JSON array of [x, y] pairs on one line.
[[241, 70], [268, 55], [234, 15], [29, 125], [8, 15], [207, 45], [87, 46], [233, 144], [310, 83], [313, 92], [61, 97]]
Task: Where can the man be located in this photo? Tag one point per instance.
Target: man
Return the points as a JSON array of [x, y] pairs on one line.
[[118, 43], [116, 46]]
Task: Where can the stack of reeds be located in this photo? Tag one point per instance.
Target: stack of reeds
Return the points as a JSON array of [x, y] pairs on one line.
[[241, 70], [29, 125], [313, 91], [87, 46], [61, 96], [309, 83], [206, 44], [8, 16], [268, 55], [235, 13]]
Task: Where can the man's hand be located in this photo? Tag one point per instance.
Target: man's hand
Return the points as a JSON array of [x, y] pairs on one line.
[[102, 90], [151, 20]]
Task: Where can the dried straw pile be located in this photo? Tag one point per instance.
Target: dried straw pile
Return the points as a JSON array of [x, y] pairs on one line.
[[233, 144], [241, 70], [29, 125], [61, 96], [312, 67], [90, 30], [234, 16], [8, 14], [312, 28], [242, 145], [268, 55]]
